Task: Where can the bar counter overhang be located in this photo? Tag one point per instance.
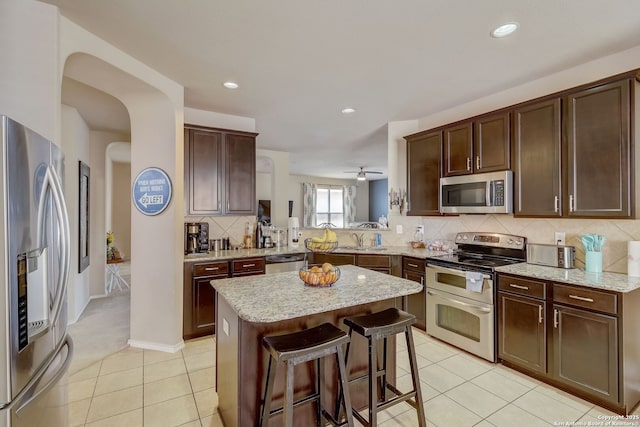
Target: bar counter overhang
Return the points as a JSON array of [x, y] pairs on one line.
[[248, 308]]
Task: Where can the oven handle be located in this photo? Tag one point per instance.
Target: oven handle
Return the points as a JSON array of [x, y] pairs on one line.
[[453, 271], [475, 307]]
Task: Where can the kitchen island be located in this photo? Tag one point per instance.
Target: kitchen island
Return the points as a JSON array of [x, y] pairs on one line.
[[249, 308]]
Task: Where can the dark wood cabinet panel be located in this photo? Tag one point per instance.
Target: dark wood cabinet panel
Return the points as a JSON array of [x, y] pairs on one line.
[[424, 169], [248, 267], [203, 167], [599, 174], [220, 171], [537, 160], [586, 351], [491, 143], [458, 149], [335, 259], [522, 331], [241, 174], [199, 297], [204, 313], [414, 269]]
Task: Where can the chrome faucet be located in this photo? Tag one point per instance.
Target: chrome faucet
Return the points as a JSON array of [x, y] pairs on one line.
[[359, 238]]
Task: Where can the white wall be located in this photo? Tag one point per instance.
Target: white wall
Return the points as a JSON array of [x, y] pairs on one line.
[[280, 188], [29, 80], [194, 116], [75, 144]]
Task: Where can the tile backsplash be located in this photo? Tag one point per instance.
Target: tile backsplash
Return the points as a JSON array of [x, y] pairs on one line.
[[536, 230]]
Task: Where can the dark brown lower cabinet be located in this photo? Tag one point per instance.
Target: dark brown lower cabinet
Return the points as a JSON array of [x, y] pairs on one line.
[[522, 328], [585, 351], [199, 297], [414, 269], [577, 338]]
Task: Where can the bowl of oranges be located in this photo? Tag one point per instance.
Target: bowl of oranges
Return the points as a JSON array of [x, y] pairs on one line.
[[320, 276]]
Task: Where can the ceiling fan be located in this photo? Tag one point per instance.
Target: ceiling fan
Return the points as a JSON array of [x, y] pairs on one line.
[[362, 174]]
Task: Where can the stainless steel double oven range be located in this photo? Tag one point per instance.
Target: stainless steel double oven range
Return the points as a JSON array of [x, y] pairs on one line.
[[462, 290]]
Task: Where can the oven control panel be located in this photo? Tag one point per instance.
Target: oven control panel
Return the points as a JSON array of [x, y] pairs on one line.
[[491, 239]]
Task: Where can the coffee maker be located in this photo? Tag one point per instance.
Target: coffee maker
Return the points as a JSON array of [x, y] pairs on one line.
[[196, 237]]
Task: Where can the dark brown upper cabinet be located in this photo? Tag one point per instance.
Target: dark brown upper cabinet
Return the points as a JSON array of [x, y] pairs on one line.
[[424, 169], [537, 160], [481, 145], [458, 149], [572, 154], [492, 143], [597, 125], [220, 172]]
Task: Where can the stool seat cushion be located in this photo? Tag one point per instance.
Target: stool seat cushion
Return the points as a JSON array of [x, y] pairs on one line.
[[389, 320], [313, 339]]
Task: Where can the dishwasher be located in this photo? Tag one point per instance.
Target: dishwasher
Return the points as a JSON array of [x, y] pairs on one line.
[[284, 262]]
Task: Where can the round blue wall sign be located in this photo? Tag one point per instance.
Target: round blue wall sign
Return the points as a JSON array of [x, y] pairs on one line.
[[151, 191]]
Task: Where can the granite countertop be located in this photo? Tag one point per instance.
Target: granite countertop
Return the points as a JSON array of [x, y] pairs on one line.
[[250, 253], [575, 276], [282, 296]]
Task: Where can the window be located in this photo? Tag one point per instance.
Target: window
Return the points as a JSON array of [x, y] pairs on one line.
[[329, 206]]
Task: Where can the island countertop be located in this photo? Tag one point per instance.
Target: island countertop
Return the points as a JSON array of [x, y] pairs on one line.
[[283, 296]]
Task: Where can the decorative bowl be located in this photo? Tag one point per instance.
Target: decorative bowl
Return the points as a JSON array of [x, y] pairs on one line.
[[319, 276], [417, 245], [320, 246]]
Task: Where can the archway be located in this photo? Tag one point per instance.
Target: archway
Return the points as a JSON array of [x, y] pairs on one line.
[[156, 140]]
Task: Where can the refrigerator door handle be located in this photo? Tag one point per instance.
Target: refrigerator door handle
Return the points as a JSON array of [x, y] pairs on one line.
[[65, 250], [68, 342], [52, 181]]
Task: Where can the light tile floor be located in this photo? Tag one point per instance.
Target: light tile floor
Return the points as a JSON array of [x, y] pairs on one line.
[[136, 387]]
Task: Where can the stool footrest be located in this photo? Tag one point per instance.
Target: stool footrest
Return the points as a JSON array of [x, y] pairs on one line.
[[295, 404], [399, 397]]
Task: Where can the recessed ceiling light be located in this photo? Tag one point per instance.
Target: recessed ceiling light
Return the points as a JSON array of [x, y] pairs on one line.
[[348, 110], [504, 29], [230, 85]]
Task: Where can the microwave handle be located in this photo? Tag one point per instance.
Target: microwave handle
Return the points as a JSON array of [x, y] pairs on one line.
[[490, 192]]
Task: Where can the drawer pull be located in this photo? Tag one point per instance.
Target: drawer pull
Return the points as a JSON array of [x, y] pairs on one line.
[[412, 265], [526, 288], [211, 268], [581, 298], [539, 314], [248, 265]]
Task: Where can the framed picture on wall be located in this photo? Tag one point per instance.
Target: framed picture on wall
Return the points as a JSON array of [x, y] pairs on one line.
[[83, 217]]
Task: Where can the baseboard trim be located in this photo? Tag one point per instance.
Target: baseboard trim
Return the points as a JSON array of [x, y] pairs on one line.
[[156, 346]]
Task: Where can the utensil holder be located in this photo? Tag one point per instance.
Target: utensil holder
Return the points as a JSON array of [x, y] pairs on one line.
[[593, 262]]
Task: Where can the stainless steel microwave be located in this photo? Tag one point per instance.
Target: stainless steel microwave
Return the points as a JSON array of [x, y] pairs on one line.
[[477, 193]]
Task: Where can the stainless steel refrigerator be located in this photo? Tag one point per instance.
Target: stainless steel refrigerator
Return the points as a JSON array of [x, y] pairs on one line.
[[35, 350]]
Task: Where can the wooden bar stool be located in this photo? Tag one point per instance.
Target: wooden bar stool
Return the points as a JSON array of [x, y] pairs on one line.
[[299, 347], [374, 327]]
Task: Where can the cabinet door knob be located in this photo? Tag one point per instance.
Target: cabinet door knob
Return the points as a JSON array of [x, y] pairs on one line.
[[468, 163]]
